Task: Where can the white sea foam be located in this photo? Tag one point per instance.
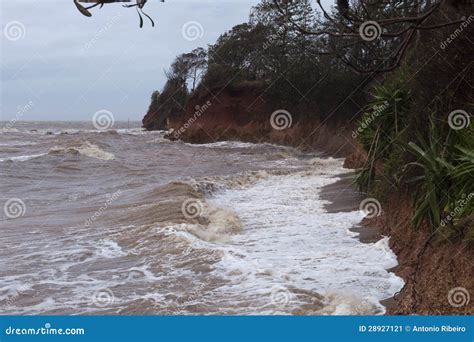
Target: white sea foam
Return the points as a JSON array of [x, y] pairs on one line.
[[225, 144], [74, 131], [9, 130], [87, 149], [109, 249], [289, 240], [132, 131], [218, 224], [22, 158], [19, 143], [241, 145]]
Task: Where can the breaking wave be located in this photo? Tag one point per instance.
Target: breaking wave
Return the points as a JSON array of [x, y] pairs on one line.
[[86, 149]]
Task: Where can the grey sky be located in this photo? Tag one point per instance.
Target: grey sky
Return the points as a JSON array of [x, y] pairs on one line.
[[65, 66]]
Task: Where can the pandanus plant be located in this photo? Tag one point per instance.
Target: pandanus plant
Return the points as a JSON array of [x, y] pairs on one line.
[[138, 5], [446, 186], [381, 126]]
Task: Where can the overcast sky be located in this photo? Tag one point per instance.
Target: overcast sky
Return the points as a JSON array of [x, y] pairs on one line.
[[59, 65]]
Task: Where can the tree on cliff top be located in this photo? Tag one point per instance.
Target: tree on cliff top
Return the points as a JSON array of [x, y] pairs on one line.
[[188, 67], [196, 62], [375, 35]]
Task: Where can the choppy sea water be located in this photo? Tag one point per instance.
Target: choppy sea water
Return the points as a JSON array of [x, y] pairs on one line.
[[124, 221]]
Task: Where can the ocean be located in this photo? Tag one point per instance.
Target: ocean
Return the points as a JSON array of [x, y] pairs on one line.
[[125, 222]]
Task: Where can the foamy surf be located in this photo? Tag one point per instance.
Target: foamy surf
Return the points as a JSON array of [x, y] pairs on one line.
[[86, 149], [18, 144], [290, 242], [22, 158], [260, 242]]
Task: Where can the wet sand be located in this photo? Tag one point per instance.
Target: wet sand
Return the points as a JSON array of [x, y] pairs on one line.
[[343, 198], [342, 195]]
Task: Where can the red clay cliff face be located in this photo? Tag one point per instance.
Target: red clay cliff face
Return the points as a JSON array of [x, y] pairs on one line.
[[243, 114], [437, 274], [209, 118]]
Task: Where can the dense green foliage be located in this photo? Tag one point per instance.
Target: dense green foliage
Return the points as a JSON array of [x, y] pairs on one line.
[[433, 159], [414, 145], [381, 126]]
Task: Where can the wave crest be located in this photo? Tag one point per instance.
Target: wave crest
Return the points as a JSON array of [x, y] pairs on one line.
[[86, 149]]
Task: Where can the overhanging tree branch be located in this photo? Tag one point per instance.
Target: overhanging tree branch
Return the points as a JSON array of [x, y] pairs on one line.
[[396, 26]]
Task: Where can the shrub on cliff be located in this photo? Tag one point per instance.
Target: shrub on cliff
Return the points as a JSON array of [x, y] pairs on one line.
[[219, 77], [380, 128], [445, 189], [434, 160]]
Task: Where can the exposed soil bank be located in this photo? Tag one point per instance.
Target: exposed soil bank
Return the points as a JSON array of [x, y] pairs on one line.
[[438, 280], [442, 267], [243, 114], [432, 277]]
